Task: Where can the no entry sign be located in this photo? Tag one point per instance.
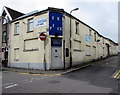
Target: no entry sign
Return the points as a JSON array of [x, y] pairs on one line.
[[42, 36]]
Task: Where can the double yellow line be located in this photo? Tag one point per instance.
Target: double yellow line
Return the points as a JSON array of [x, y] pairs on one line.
[[41, 74], [116, 74]]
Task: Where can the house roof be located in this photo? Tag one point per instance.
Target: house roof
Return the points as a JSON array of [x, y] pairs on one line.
[[12, 14]]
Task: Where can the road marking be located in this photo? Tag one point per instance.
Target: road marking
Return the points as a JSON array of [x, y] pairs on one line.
[[11, 86], [116, 74], [42, 74], [7, 84]]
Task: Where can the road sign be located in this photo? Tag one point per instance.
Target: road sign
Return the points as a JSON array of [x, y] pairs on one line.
[[42, 36]]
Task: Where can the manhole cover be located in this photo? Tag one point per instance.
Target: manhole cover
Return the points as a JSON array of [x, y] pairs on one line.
[[54, 81]]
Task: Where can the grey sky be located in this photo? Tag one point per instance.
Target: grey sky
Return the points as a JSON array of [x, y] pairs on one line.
[[102, 16]]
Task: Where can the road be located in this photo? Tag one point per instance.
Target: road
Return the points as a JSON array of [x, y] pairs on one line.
[[100, 77]]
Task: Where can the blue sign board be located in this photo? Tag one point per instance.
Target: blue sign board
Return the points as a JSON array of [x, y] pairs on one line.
[[55, 24], [87, 38]]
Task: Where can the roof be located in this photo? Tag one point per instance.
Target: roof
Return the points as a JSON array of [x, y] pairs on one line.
[[39, 12], [51, 9], [12, 14]]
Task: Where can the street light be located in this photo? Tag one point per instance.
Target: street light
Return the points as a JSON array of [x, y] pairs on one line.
[[71, 37], [74, 10]]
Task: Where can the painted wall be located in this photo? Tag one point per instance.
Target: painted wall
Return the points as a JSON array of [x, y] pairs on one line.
[[84, 46], [28, 51]]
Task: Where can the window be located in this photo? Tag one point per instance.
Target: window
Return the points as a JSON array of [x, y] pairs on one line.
[[76, 28], [30, 25], [17, 29], [90, 32], [77, 45], [16, 54], [94, 51], [95, 36], [4, 37], [88, 50], [31, 44]]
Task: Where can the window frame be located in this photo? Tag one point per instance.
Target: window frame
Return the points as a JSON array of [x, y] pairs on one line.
[[95, 34], [17, 26], [4, 39], [15, 54], [76, 27], [79, 49], [88, 52], [32, 49], [29, 22]]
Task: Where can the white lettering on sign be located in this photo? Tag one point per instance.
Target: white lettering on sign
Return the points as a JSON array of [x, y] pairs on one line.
[[52, 17], [59, 28], [40, 22], [58, 18]]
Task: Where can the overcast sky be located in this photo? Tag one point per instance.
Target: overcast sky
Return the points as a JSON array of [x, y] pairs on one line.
[[102, 15]]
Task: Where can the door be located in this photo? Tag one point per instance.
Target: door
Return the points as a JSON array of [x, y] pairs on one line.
[[56, 53], [56, 57]]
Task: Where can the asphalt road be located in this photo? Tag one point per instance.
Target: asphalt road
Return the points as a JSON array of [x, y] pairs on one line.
[[97, 78]]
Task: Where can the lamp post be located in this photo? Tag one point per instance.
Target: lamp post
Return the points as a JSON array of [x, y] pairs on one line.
[[71, 37]]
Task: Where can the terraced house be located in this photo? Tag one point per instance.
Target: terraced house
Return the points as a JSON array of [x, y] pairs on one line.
[[54, 39]]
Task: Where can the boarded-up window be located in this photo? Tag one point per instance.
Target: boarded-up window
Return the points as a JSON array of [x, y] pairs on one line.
[[77, 45], [88, 50], [16, 54], [31, 44], [94, 51]]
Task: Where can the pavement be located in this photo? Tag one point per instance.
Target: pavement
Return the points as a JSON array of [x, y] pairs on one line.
[[96, 78], [50, 72], [43, 72]]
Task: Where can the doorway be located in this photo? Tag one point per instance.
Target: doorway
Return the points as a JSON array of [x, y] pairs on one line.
[[56, 53]]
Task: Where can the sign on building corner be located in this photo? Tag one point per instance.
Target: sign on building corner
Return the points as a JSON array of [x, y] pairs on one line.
[[42, 36]]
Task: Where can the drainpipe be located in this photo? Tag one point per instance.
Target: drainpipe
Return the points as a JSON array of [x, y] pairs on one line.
[[44, 56]]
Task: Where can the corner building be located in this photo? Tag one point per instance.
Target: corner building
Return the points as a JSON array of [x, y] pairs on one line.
[[65, 45]]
